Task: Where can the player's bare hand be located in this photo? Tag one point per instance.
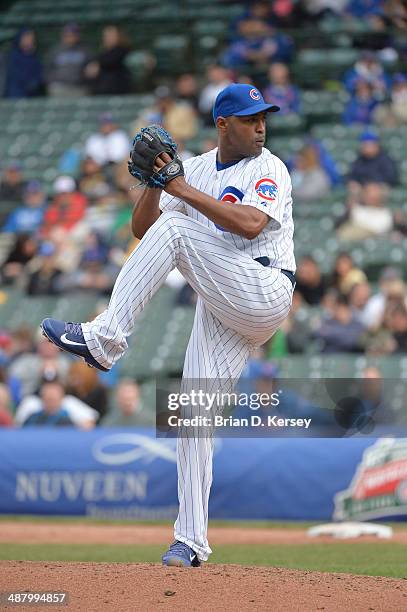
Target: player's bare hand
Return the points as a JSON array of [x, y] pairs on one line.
[[161, 160], [176, 186]]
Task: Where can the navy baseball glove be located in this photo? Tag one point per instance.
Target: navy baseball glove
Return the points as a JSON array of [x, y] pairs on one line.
[[150, 142]]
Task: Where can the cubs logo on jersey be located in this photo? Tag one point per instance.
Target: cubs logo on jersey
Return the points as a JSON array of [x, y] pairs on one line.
[[267, 189], [230, 194]]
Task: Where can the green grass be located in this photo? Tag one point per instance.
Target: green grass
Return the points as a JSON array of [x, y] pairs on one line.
[[87, 520], [381, 559]]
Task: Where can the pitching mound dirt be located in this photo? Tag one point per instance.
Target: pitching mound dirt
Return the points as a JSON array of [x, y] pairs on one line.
[[103, 587]]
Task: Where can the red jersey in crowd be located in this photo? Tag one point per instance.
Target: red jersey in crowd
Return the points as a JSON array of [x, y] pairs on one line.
[[65, 210]]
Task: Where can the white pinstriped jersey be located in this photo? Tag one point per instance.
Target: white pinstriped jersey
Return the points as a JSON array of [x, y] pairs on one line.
[[262, 182]]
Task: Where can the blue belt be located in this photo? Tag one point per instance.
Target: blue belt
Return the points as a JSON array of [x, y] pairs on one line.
[[265, 261]]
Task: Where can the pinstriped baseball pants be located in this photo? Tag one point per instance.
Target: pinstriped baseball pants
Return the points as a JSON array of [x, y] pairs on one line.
[[240, 306]]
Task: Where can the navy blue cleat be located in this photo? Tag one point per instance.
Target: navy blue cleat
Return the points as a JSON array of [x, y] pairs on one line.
[[69, 337], [180, 555]]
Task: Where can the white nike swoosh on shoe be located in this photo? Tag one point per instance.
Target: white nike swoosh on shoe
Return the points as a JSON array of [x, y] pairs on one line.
[[191, 557], [66, 341]]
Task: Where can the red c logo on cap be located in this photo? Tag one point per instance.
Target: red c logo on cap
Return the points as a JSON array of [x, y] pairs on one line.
[[253, 93]]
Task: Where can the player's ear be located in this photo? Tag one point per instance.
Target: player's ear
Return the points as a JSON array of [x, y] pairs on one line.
[[221, 123]]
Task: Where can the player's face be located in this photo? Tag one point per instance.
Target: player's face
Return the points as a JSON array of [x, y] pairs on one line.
[[246, 135]]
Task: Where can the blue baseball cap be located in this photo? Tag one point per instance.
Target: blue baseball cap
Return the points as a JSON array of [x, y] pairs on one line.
[[368, 136], [239, 100], [33, 187]]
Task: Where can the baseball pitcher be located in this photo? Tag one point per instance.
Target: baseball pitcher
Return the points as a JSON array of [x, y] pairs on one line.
[[224, 219]]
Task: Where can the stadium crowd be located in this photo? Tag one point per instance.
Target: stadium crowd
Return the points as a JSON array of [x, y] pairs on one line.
[[77, 236]]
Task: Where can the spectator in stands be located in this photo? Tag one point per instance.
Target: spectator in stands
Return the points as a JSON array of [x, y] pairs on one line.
[[31, 364], [179, 118], [67, 207], [45, 276], [12, 183], [373, 164], [309, 180], [394, 112], [399, 225], [310, 282], [11, 383], [280, 13], [108, 74], [5, 344], [369, 69], [373, 398], [388, 336], [66, 61], [6, 417], [52, 411], [287, 13], [257, 44], [258, 9], [95, 272], [23, 250], [29, 216], [186, 90], [110, 145], [217, 78], [358, 298], [24, 77], [93, 182], [22, 343], [340, 332], [362, 9], [391, 289], [127, 409], [281, 91], [395, 14], [80, 414], [83, 382], [369, 216], [346, 274], [68, 246], [361, 106], [396, 321], [261, 377], [367, 405]]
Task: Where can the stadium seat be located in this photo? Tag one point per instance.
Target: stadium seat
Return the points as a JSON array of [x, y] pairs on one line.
[[31, 311], [147, 336]]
